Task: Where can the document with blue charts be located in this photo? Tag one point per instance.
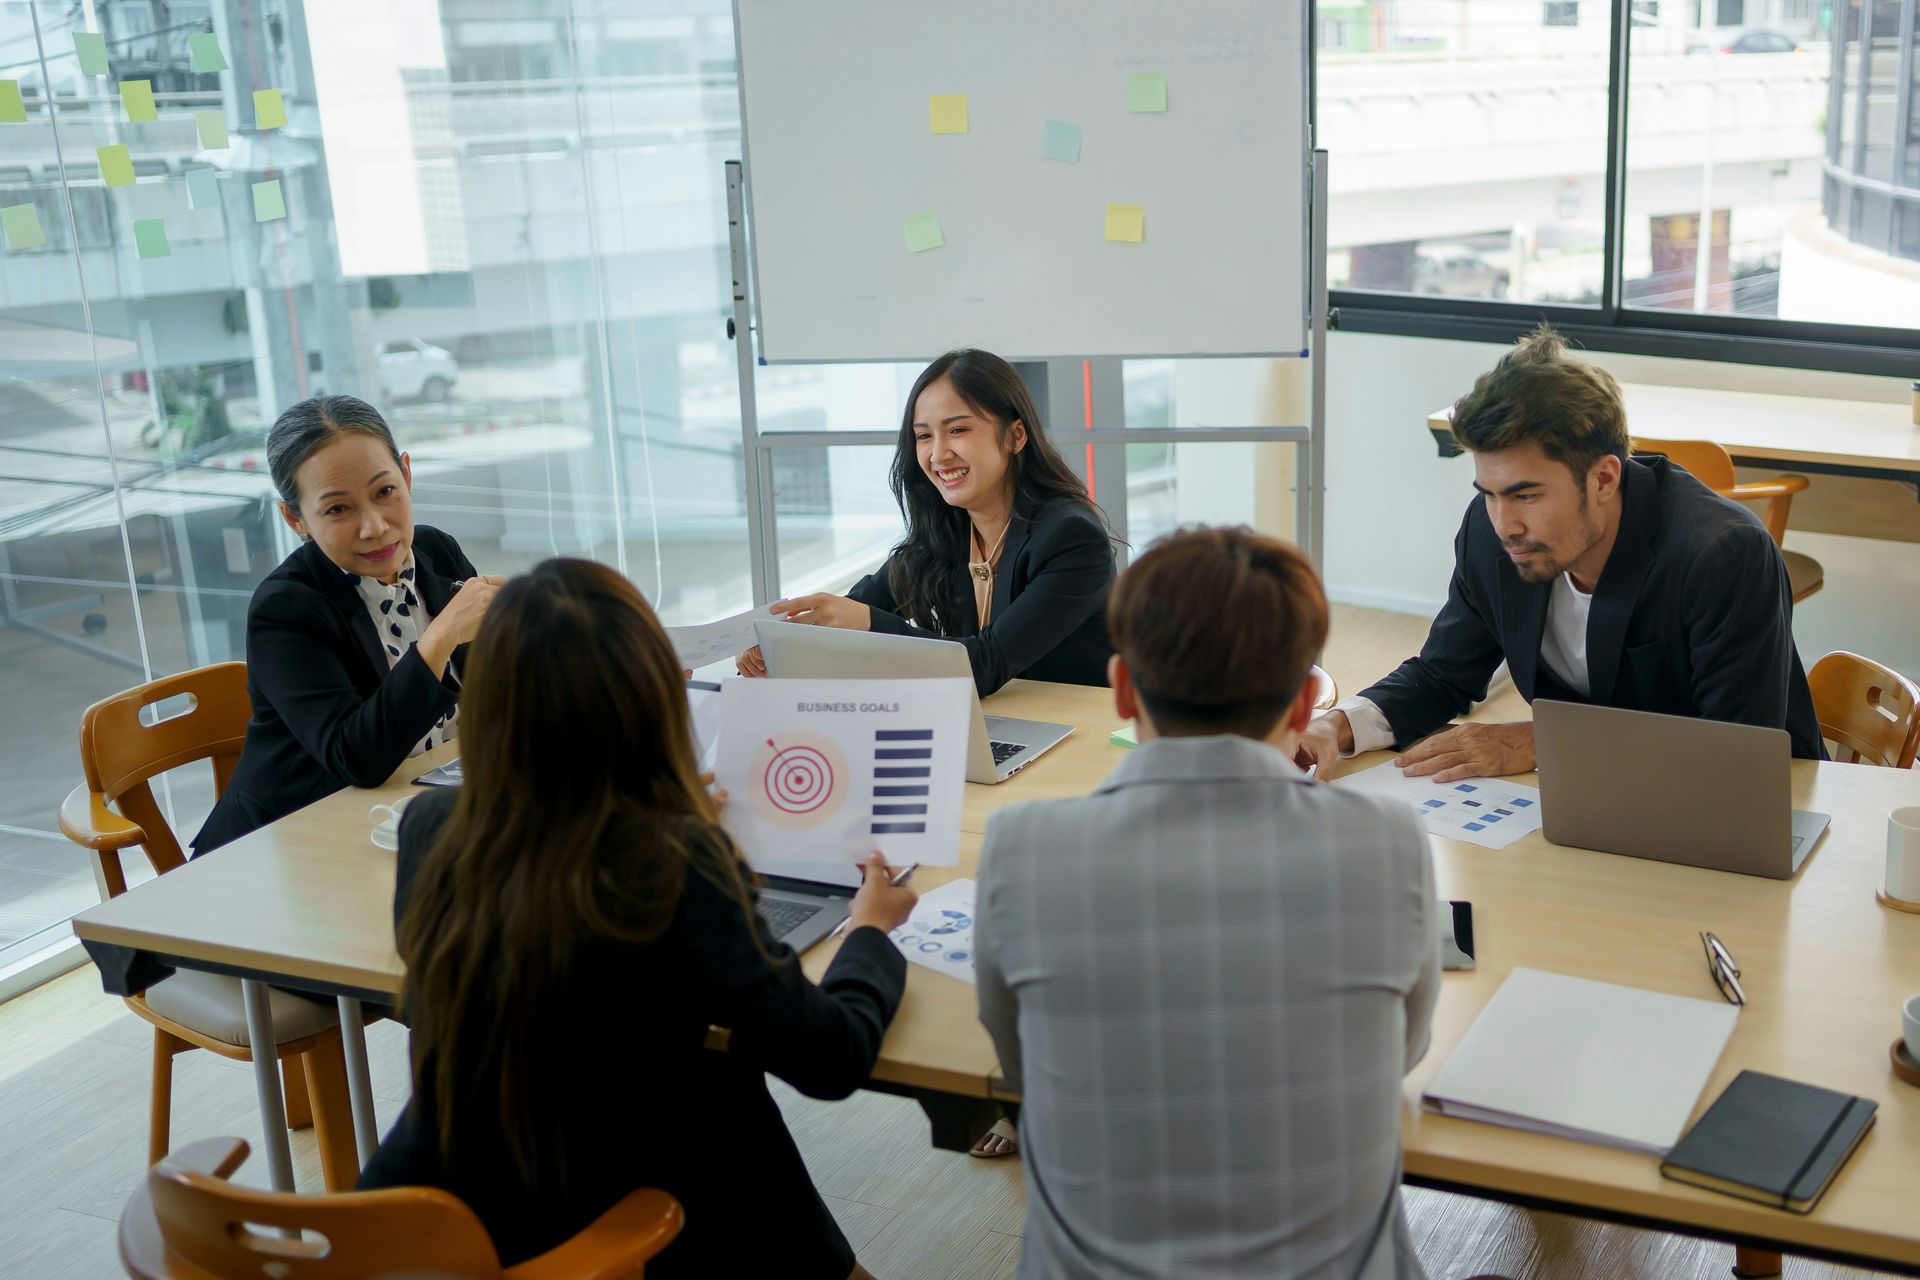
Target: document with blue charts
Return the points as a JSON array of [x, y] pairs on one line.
[[823, 771], [1489, 812], [939, 933]]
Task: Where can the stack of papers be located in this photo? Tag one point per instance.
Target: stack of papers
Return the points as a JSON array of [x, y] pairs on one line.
[[1483, 811], [1586, 1060]]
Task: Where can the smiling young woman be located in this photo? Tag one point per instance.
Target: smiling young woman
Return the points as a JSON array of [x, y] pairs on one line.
[[355, 643], [1004, 552]]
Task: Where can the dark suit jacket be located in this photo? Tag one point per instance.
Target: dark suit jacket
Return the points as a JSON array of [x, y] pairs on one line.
[[1692, 616], [327, 711], [1049, 618], [647, 1106]]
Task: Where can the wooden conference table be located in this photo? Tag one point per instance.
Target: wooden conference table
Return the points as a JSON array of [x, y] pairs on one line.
[[307, 903]]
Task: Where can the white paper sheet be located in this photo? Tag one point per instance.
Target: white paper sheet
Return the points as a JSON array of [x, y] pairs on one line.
[[711, 641], [1484, 811], [703, 708], [939, 933], [827, 770]]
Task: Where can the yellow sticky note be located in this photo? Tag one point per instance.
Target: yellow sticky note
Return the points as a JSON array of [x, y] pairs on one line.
[[137, 97], [213, 129], [1126, 223], [947, 112], [269, 111], [116, 166], [12, 109], [269, 201], [21, 222]]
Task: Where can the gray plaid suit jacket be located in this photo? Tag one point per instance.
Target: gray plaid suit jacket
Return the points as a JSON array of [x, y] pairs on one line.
[[1208, 978]]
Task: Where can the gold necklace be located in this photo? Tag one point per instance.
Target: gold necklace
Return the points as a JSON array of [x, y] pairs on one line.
[[983, 569]]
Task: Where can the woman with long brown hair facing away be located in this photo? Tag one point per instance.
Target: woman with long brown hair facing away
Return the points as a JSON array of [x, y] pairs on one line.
[[573, 920]]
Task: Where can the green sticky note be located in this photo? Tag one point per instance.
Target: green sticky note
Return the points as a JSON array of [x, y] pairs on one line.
[[213, 129], [1126, 223], [947, 113], [116, 166], [150, 238], [21, 222], [923, 232], [269, 111], [1146, 91], [12, 110], [203, 189], [137, 97], [269, 201], [92, 49], [1061, 141], [206, 52]]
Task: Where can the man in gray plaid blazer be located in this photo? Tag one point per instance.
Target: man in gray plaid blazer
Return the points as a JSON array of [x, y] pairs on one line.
[[1208, 977]]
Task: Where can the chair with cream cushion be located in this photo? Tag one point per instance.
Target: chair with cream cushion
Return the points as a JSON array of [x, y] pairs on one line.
[[123, 745]]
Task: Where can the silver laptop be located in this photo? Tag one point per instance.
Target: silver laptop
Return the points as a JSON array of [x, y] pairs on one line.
[[801, 912], [998, 746], [1702, 793]]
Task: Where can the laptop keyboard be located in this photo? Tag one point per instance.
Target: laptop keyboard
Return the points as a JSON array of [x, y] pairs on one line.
[[784, 917], [1005, 751]]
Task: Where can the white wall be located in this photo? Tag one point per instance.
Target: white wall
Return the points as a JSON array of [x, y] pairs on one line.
[[1393, 505]]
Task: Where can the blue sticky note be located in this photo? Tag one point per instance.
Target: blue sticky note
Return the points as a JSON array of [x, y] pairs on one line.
[[1473, 826], [1061, 141], [203, 188]]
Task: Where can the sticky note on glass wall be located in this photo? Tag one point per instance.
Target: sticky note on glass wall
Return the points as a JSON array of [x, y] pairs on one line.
[[116, 165], [150, 238], [12, 109], [206, 52], [92, 49], [269, 201], [21, 222], [269, 110], [1126, 223], [213, 129], [137, 97], [947, 113], [203, 188], [1061, 141], [922, 231], [1146, 91]]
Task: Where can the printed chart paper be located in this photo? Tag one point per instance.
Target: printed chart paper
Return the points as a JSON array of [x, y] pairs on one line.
[[1483, 811], [827, 770], [710, 642], [939, 933]]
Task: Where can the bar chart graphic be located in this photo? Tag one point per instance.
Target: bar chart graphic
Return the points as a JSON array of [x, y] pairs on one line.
[[902, 779]]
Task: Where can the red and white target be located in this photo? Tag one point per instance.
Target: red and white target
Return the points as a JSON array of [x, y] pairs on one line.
[[799, 779]]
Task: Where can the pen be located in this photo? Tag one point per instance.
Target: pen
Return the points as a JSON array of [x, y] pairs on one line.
[[899, 879]]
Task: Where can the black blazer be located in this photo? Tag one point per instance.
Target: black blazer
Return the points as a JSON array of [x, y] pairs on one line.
[[1049, 602], [327, 711], [1692, 616], [648, 1106]]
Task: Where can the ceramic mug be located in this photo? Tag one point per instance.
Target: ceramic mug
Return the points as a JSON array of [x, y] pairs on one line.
[[1903, 855], [386, 822], [1910, 1026]]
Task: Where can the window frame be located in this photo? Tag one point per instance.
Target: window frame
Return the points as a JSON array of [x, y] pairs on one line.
[[1612, 326]]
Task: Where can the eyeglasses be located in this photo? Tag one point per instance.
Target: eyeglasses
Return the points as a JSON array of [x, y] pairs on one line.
[[1726, 973]]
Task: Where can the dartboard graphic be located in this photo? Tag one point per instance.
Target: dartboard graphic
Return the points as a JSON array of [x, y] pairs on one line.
[[798, 779]]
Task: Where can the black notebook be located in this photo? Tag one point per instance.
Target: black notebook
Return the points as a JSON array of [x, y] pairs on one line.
[[1771, 1140]]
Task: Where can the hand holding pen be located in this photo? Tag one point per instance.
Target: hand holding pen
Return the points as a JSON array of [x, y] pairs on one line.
[[883, 902]]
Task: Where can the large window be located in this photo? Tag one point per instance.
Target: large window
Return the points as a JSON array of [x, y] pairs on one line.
[[1766, 155]]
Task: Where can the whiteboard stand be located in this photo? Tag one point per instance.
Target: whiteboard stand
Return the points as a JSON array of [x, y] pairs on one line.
[[1309, 440]]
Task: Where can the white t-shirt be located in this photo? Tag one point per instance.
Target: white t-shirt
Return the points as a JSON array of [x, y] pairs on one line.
[[1563, 647]]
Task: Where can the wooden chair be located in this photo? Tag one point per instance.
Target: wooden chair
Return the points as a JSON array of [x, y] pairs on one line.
[[1868, 710], [114, 809], [187, 1222], [1712, 465]]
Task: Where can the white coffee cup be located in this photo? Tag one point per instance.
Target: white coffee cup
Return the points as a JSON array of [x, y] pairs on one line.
[[386, 822], [1903, 855], [1910, 1026]]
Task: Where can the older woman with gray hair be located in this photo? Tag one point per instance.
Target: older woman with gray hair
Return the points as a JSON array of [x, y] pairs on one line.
[[356, 642]]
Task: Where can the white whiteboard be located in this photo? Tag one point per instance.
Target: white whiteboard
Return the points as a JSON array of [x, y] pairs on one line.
[[834, 111]]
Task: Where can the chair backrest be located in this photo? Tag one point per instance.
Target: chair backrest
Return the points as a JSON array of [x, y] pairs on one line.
[[120, 750], [1704, 460], [207, 1227], [1867, 709]]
